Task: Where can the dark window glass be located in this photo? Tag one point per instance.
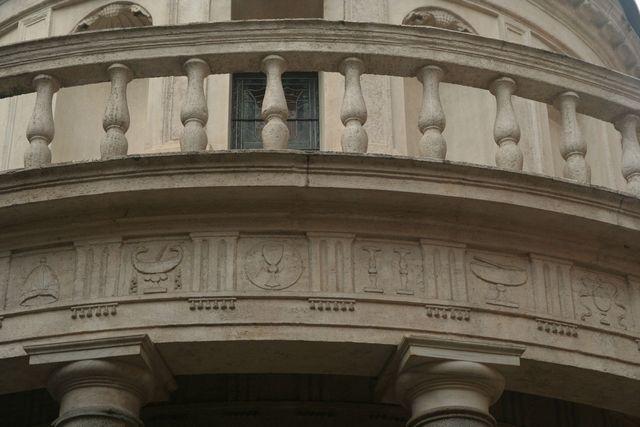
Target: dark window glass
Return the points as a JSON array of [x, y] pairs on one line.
[[301, 93]]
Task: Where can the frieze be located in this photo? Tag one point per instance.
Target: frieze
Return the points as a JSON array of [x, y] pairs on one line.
[[557, 328], [212, 303], [445, 312], [94, 310], [332, 304], [444, 276]]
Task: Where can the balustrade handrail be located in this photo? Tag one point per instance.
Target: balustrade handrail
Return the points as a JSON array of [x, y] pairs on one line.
[[318, 45], [433, 55]]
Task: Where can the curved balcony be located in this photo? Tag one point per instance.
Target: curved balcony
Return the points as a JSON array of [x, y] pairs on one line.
[[322, 263]]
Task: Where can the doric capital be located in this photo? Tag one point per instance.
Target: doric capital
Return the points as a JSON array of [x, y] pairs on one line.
[[103, 381], [451, 380]]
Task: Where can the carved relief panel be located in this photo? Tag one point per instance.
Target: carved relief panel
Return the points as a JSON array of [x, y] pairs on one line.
[[97, 269], [383, 267], [156, 266], [500, 281], [214, 261], [601, 300], [331, 262], [40, 278], [444, 272], [273, 264], [551, 279]]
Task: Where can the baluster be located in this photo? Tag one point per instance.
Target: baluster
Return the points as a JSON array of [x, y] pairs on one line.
[[432, 120], [574, 147], [354, 109], [275, 134], [116, 116], [194, 114], [41, 128], [628, 127], [506, 129]]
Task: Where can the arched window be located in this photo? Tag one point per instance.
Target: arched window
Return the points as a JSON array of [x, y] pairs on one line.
[[115, 15], [437, 17]]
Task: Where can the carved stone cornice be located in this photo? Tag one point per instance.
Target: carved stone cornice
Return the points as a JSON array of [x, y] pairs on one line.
[[604, 24]]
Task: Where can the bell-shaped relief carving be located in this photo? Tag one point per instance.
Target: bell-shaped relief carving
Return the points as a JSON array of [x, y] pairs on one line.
[[154, 270], [501, 276], [40, 287]]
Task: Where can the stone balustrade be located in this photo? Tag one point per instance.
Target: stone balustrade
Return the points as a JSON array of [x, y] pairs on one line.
[[570, 84]]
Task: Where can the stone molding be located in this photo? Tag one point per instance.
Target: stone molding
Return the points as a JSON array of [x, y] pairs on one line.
[[447, 278], [416, 350], [608, 20], [540, 75]]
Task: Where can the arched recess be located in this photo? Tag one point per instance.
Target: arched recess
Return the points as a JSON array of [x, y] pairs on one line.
[[79, 110], [439, 18]]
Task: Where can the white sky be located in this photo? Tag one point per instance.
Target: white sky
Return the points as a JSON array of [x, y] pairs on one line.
[[638, 3]]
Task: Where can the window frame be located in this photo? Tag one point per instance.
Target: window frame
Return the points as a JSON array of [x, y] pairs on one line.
[[312, 144]]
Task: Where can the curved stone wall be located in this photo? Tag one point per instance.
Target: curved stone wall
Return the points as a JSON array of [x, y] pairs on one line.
[[296, 255]]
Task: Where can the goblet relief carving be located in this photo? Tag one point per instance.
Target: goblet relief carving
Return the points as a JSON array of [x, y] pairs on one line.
[[273, 265], [155, 270], [501, 276]]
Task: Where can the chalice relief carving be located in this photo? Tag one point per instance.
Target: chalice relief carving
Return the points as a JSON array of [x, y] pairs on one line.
[[155, 270], [603, 297], [273, 265], [501, 276], [372, 270]]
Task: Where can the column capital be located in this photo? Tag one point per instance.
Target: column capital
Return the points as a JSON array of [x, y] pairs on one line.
[[447, 380], [105, 381]]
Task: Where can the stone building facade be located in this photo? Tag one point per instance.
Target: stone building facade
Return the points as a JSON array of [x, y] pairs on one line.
[[320, 212]]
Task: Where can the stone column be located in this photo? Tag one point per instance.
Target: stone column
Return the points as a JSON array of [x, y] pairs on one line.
[[449, 383], [100, 393], [103, 382]]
